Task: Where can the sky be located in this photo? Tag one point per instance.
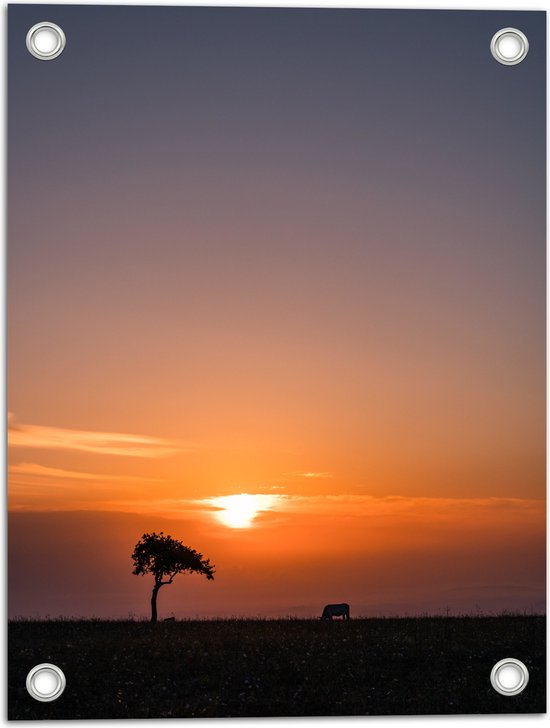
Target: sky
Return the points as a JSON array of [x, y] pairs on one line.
[[276, 287]]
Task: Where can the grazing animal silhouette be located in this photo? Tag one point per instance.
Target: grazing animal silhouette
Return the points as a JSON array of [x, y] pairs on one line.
[[170, 619], [336, 610]]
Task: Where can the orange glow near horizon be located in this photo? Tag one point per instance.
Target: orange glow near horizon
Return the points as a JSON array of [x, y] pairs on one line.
[[307, 535]]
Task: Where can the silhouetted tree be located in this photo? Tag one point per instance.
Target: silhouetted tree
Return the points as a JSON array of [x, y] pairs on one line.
[[164, 557]]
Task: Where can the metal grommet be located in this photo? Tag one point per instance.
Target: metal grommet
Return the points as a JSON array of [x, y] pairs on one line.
[[46, 682], [509, 46], [509, 676], [45, 41]]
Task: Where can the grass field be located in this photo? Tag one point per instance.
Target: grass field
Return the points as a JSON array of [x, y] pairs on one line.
[[290, 667]]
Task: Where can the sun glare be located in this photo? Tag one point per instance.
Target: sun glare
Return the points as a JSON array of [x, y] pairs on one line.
[[239, 511]]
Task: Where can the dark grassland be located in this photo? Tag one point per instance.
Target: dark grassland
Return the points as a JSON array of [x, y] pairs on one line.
[[277, 668]]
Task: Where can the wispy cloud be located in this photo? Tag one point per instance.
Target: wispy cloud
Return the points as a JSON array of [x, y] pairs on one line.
[[101, 443], [311, 474], [33, 469], [419, 517]]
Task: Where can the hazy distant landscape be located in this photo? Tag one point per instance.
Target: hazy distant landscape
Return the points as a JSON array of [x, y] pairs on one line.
[[223, 668]]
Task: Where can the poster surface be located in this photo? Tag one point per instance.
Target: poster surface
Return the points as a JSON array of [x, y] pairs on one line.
[[276, 377]]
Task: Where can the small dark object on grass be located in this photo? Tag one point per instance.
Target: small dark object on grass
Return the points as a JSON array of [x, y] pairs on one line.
[[336, 610]]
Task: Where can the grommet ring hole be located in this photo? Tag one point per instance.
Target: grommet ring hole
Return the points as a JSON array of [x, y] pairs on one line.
[[509, 46], [46, 41], [509, 676], [45, 682]]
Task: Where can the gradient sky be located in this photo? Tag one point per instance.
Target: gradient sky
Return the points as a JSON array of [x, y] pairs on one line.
[[294, 254]]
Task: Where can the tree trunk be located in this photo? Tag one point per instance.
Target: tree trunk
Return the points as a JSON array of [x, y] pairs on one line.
[[154, 602]]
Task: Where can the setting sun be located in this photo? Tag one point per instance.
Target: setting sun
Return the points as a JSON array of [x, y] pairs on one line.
[[239, 511]]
